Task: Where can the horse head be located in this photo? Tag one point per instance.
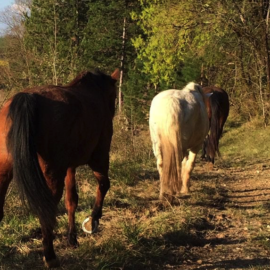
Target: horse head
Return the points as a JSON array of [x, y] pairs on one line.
[[98, 81]]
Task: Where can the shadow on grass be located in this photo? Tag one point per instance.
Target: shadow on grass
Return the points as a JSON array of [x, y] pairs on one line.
[[241, 162], [15, 260], [131, 174], [147, 253], [206, 177], [238, 263], [119, 252]]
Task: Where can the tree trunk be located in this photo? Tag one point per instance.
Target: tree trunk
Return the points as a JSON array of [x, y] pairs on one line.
[[267, 57], [122, 65]]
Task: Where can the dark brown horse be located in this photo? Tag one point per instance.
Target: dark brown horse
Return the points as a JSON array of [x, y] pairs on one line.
[[218, 110], [45, 133]]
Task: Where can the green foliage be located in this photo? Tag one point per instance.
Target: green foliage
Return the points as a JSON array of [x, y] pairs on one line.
[[170, 31], [54, 31], [167, 44], [138, 93], [132, 232], [219, 40], [189, 70], [102, 41]]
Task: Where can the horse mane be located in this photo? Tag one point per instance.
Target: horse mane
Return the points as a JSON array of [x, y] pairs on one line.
[[77, 79], [192, 86], [97, 80], [96, 77]]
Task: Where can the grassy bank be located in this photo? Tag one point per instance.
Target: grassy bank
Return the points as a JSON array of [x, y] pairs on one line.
[[244, 143]]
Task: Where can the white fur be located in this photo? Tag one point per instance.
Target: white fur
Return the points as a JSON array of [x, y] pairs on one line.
[[178, 125]]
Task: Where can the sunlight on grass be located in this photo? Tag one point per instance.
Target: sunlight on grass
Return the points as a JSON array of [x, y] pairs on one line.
[[247, 143]]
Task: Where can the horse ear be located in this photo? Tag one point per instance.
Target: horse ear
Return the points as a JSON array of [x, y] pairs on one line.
[[116, 74]]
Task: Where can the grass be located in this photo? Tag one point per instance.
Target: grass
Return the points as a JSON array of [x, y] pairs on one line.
[[245, 144], [136, 230]]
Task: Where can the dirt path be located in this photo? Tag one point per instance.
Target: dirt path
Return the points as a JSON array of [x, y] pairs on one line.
[[236, 229]]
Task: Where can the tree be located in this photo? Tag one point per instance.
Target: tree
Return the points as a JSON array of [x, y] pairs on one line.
[[227, 41], [15, 72], [107, 41], [54, 31]]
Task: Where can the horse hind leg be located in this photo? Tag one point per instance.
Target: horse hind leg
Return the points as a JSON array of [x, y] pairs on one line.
[[99, 163], [49, 258], [204, 147], [90, 225], [55, 180], [187, 167], [158, 155], [71, 202]]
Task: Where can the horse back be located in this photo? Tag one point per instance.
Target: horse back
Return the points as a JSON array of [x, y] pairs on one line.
[[183, 110], [71, 122]]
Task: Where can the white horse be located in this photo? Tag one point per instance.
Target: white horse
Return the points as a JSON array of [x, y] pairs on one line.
[[178, 126]]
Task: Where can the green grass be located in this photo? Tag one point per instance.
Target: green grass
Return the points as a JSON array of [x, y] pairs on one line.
[[245, 143]]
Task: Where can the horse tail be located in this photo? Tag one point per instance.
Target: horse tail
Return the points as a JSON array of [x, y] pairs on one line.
[[171, 147], [215, 129], [21, 144]]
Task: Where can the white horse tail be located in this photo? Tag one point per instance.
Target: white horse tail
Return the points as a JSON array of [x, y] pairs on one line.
[[171, 147]]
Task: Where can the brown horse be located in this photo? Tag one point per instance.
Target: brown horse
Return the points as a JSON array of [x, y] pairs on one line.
[[45, 133], [218, 110]]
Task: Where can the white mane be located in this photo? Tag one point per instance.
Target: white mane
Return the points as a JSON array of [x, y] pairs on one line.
[[192, 86]]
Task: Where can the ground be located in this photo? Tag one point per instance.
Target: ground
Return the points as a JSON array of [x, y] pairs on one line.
[[223, 224], [237, 222]]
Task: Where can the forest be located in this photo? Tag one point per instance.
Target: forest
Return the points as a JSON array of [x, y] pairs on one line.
[[157, 44]]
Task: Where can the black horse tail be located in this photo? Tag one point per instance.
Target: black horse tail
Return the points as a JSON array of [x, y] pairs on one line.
[[21, 144], [212, 143]]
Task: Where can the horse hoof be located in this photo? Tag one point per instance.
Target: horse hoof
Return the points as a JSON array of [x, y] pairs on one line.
[[184, 195], [54, 263], [184, 191], [72, 241], [90, 227], [166, 198], [209, 166]]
